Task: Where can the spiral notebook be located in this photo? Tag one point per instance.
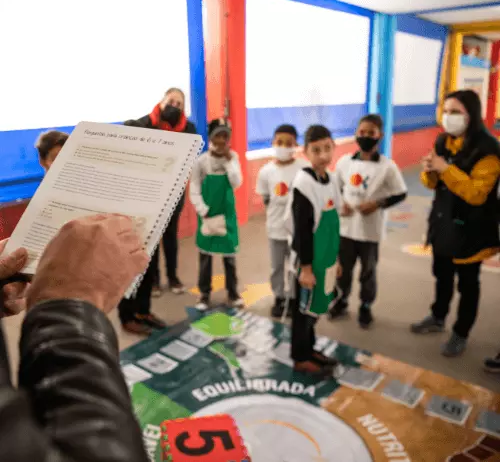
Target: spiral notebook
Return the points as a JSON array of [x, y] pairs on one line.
[[105, 168]]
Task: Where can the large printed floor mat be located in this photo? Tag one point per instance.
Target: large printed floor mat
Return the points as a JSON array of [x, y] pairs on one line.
[[375, 409]]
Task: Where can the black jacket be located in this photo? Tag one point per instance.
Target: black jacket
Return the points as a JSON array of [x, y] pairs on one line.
[[458, 229], [72, 404]]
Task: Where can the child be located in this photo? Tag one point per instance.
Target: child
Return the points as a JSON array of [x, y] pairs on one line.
[[369, 183], [216, 174], [49, 144], [313, 224], [273, 184]]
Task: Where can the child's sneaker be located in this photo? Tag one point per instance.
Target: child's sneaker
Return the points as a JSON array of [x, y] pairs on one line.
[[312, 368], [278, 308], [203, 302], [338, 309], [324, 360], [365, 317], [176, 287], [156, 292], [492, 364], [455, 346], [236, 301], [428, 325]]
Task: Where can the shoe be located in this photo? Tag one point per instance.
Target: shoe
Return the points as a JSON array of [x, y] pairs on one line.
[[323, 360], [428, 325], [203, 303], [152, 321], [338, 309], [312, 368], [138, 328], [156, 292], [455, 346], [365, 317], [236, 301], [492, 364], [176, 287], [278, 308]]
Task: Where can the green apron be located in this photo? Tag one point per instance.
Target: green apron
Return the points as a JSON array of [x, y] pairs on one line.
[[326, 249], [218, 194]]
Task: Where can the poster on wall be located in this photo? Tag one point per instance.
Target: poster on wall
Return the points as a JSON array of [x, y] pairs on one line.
[[475, 67]]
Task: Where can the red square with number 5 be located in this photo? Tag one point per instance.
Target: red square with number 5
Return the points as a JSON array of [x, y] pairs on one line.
[[203, 439]]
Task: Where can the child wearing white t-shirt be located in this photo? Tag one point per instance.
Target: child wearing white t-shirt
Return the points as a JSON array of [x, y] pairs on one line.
[[370, 183], [273, 184]]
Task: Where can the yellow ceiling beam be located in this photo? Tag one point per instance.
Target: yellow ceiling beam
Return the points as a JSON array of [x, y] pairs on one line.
[[477, 27]]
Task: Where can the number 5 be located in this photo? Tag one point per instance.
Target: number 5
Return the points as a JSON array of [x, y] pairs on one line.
[[208, 437]]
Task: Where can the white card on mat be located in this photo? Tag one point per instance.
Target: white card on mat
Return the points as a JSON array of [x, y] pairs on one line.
[[106, 168]]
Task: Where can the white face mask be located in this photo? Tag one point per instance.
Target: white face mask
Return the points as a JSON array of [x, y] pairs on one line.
[[283, 154], [455, 124]]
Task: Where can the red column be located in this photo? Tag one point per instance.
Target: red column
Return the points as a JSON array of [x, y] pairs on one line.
[[237, 95], [225, 53], [493, 93]]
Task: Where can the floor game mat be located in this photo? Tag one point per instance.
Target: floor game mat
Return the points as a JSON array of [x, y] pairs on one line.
[[375, 409]]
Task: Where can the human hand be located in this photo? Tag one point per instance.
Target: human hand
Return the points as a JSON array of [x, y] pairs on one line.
[[347, 210], [435, 163], [366, 208], [14, 294], [94, 259], [307, 280], [228, 155]]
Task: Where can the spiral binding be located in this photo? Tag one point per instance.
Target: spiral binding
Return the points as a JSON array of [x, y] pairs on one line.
[[178, 190]]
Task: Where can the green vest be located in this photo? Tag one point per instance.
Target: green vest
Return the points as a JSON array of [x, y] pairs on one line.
[[218, 195], [326, 236]]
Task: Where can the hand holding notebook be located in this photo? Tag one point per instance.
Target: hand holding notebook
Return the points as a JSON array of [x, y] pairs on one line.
[[106, 168]]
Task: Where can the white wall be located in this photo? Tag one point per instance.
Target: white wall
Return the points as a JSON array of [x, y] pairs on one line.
[[64, 61], [301, 55]]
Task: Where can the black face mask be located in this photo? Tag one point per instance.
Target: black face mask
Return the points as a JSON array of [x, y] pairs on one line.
[[366, 143], [171, 115]]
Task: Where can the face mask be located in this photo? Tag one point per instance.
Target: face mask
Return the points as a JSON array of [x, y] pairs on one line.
[[284, 154], [171, 115], [455, 124], [367, 143]]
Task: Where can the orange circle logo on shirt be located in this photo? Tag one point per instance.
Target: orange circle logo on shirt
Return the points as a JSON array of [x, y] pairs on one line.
[[329, 204], [356, 179], [281, 189]]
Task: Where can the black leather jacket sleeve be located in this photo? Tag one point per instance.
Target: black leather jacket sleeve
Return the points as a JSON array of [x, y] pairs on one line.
[[72, 404]]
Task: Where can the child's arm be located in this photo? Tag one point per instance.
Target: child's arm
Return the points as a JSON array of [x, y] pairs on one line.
[[195, 195], [262, 188], [233, 170], [303, 223], [396, 184]]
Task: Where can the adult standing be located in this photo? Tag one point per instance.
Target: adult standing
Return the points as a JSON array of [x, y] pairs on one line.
[[72, 402], [135, 313], [463, 170]]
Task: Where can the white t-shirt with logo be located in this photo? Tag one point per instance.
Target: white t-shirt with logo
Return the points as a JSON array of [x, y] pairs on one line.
[[361, 181], [274, 182]]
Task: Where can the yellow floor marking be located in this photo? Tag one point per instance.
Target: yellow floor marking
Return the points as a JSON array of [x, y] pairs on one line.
[[251, 295]]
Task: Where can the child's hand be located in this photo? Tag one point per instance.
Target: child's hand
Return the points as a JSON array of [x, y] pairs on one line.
[[366, 208], [339, 270], [347, 210], [307, 280]]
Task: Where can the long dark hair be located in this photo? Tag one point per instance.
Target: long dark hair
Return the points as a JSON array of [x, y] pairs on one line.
[[472, 104]]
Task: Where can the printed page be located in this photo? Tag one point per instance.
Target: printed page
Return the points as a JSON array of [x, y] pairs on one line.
[[106, 168]]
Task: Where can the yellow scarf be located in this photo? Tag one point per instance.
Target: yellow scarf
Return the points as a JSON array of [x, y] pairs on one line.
[[454, 144]]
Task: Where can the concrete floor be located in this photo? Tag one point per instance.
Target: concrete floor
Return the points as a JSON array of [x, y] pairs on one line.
[[405, 293]]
